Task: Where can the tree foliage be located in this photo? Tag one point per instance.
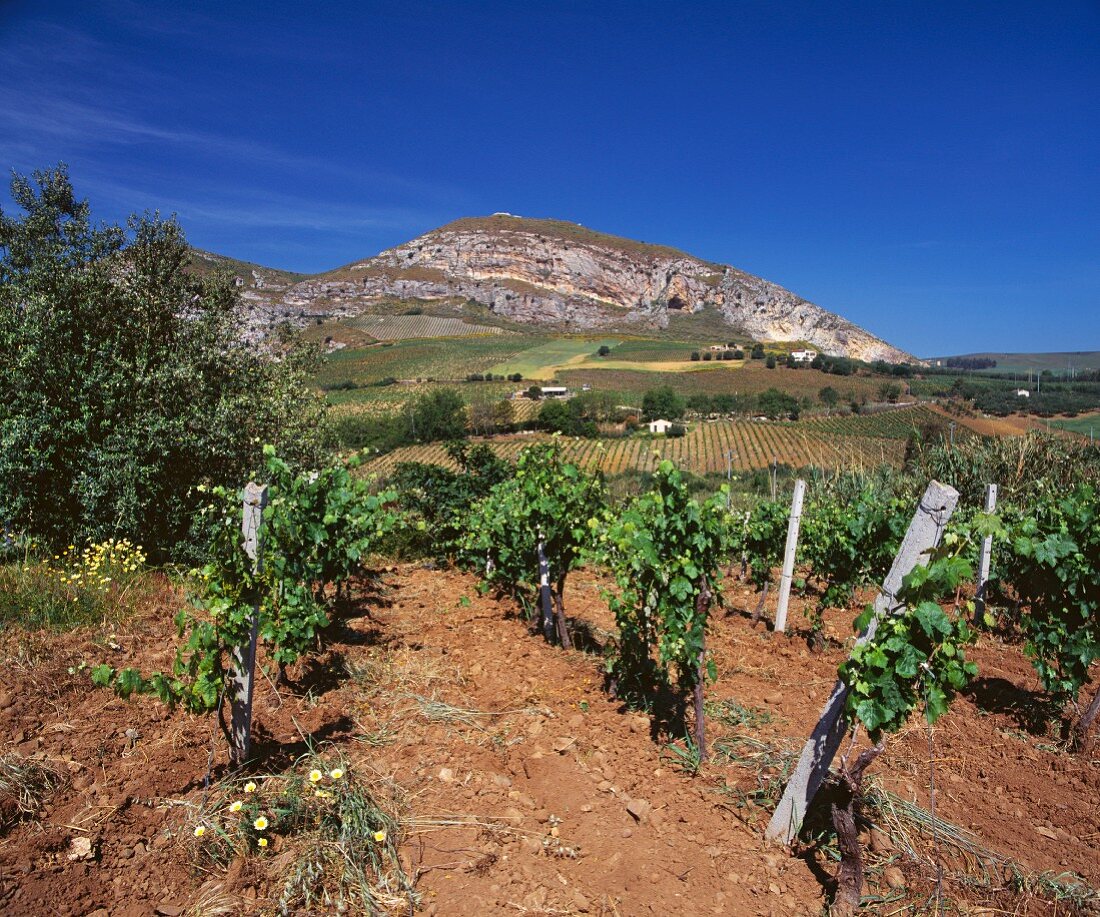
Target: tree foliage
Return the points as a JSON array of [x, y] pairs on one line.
[[124, 384], [662, 404]]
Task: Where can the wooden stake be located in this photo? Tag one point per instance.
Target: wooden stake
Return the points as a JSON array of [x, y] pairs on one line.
[[924, 533], [243, 675], [987, 553], [545, 601], [789, 555]]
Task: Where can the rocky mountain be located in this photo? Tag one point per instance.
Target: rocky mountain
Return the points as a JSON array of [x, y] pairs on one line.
[[569, 278]]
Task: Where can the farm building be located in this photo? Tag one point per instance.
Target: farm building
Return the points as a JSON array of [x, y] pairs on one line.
[[803, 356], [554, 391], [659, 426]]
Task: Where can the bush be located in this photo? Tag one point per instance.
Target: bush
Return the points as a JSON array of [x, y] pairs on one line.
[[125, 383], [662, 403]]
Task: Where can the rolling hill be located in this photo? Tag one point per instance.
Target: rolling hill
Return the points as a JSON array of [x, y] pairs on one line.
[[564, 278]]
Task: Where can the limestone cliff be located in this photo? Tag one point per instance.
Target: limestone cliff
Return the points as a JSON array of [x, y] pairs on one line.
[[548, 272]]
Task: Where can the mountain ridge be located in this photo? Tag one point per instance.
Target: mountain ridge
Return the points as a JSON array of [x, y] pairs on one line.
[[563, 276]]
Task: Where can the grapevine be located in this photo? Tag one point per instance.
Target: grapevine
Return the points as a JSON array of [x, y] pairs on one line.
[[664, 551]]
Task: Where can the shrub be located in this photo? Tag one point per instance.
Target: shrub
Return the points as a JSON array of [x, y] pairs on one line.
[[125, 383]]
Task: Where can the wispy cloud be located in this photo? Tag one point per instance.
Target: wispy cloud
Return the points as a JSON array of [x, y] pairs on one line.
[[47, 115], [247, 208]]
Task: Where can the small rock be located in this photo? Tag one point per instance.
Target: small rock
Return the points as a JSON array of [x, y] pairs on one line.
[[880, 842], [169, 910], [446, 774], [562, 745], [894, 877], [639, 809], [774, 699], [586, 808], [81, 849], [1046, 832]]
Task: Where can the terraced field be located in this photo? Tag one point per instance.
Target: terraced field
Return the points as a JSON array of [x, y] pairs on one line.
[[852, 442], [406, 327]]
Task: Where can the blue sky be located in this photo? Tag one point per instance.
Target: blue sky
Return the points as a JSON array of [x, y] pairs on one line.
[[928, 170]]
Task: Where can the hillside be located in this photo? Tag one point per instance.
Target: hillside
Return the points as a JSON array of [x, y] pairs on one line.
[[263, 290], [563, 277], [1057, 362]]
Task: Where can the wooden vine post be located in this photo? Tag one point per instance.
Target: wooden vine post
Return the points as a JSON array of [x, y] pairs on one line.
[[987, 553], [545, 601], [242, 677], [924, 533], [787, 575]]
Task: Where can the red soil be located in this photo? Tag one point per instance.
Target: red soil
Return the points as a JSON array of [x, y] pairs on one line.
[[544, 743]]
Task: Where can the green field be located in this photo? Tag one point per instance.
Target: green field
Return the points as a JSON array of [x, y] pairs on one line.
[[441, 359], [1086, 424], [543, 361]]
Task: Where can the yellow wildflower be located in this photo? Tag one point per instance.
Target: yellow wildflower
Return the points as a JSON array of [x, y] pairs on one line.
[[250, 787], [262, 842], [315, 775], [322, 794], [380, 836], [200, 831], [336, 774], [235, 806], [260, 823]]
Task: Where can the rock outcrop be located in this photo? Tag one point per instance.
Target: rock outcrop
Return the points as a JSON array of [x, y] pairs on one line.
[[557, 274]]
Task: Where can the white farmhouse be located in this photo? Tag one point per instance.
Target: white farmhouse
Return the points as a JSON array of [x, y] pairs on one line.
[[554, 391], [659, 426], [803, 356]]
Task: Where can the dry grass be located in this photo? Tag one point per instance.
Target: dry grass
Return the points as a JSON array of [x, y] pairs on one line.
[[26, 784]]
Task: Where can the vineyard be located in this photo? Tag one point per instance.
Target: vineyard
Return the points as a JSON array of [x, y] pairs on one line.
[[405, 327], [445, 359], [515, 695], [748, 378], [852, 441]]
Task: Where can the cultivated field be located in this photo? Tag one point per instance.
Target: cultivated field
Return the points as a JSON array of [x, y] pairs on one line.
[[855, 441], [404, 327], [447, 359], [544, 360]]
